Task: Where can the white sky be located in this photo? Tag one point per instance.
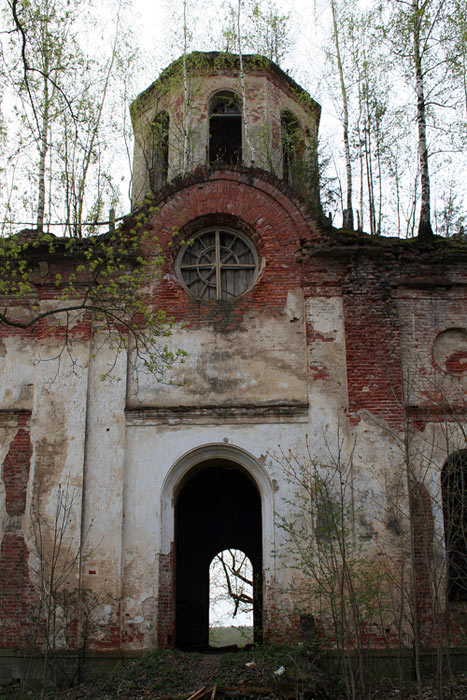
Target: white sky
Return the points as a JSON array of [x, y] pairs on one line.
[[160, 28], [157, 30], [159, 20]]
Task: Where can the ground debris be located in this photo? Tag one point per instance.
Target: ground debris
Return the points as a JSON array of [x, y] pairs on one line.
[[174, 675]]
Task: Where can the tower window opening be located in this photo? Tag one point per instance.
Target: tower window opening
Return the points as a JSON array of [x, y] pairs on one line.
[[292, 147], [454, 490], [159, 165], [231, 599], [225, 130]]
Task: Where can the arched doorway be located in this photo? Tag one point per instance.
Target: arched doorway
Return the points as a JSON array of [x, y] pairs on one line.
[[218, 507]]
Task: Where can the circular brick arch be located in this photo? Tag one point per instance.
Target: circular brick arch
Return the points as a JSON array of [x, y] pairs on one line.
[[264, 203], [255, 203]]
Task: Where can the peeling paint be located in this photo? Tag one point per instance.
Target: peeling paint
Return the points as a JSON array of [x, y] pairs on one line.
[[314, 361]]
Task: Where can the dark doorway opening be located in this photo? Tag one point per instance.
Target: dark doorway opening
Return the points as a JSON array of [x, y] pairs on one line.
[[218, 508], [454, 490]]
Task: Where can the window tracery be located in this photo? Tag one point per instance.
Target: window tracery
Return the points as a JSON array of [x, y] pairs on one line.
[[219, 264]]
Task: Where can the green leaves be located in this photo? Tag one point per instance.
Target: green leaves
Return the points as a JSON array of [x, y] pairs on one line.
[[105, 282]]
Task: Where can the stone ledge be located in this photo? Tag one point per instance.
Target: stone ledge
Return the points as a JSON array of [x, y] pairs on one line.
[[276, 413]]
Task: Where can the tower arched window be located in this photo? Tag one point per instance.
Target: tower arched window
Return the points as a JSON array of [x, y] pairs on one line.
[[225, 129], [454, 490], [292, 147], [159, 150]]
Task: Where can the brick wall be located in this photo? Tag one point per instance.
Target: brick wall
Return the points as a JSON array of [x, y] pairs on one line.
[[15, 471], [423, 528], [18, 600], [255, 203], [372, 338], [166, 601]]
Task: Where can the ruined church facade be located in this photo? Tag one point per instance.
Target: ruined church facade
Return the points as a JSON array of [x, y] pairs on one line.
[[304, 345]]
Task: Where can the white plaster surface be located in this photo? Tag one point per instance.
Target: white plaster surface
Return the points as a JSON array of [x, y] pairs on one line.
[[263, 362]]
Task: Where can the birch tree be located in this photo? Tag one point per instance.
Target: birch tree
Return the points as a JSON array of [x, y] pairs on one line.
[[347, 214], [269, 31], [242, 83], [42, 33], [60, 94], [185, 90], [264, 29], [419, 18], [417, 33]]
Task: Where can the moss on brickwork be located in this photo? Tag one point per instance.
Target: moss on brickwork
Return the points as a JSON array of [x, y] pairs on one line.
[[336, 242], [199, 62]]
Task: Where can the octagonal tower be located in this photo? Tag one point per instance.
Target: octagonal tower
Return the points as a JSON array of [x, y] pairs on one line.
[[182, 125]]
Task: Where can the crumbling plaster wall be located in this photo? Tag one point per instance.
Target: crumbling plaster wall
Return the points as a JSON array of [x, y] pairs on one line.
[[261, 362], [42, 403], [155, 445], [400, 402], [81, 432], [61, 431], [103, 477], [343, 320], [434, 344], [309, 363]]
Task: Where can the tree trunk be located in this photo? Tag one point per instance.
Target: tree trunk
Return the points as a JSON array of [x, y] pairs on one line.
[[242, 82], [347, 221], [185, 91], [425, 232], [43, 148]]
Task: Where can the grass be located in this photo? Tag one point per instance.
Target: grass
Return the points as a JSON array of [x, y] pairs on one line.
[[227, 636], [174, 674]]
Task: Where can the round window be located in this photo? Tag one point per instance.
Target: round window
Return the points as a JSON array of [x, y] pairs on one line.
[[218, 264]]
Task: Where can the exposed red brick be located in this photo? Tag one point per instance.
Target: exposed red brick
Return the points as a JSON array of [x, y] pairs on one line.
[[457, 362], [372, 341], [166, 602], [255, 206], [319, 371], [15, 472], [18, 601], [423, 533]]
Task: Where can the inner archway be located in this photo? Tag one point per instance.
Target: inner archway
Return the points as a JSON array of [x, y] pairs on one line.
[[218, 508]]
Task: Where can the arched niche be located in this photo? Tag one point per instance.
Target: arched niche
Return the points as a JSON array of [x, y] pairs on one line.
[[450, 351], [159, 165], [292, 147], [230, 493]]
